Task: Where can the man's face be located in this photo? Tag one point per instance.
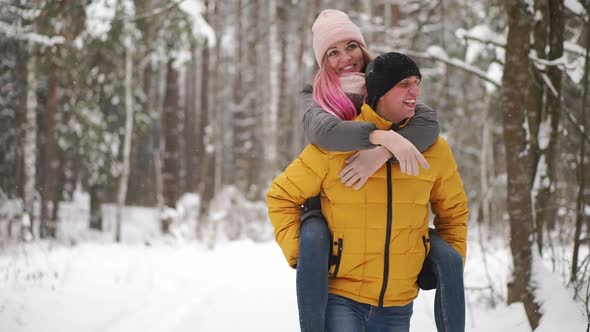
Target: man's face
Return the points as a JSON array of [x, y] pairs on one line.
[[400, 101]]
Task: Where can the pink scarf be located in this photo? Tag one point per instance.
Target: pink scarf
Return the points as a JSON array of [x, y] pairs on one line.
[[353, 83]]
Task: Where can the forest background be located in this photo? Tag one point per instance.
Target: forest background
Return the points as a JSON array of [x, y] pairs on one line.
[[192, 107]]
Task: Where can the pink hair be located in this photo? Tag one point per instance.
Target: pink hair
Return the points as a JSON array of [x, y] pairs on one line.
[[328, 94]]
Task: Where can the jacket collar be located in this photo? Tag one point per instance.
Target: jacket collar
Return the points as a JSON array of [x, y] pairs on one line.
[[370, 115]]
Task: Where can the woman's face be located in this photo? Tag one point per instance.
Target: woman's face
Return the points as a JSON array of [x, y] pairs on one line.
[[346, 57]]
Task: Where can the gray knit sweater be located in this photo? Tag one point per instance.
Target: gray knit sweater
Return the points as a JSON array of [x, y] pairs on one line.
[[332, 133]]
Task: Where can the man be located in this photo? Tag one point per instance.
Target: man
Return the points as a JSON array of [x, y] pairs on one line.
[[380, 235]]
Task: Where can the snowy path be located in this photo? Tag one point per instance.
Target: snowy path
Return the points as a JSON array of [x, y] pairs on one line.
[[238, 287]]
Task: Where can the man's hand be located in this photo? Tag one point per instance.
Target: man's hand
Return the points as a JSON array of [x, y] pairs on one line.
[[404, 151], [363, 164]]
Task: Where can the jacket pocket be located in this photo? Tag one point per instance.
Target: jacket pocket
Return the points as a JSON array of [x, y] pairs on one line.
[[336, 254]]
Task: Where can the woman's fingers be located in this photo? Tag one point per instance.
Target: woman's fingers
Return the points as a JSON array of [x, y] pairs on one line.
[[422, 161], [352, 180], [413, 166], [410, 163], [403, 165], [361, 183], [344, 178], [346, 170], [352, 158]]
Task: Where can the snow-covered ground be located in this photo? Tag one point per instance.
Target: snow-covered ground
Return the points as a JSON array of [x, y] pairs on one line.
[[238, 286]]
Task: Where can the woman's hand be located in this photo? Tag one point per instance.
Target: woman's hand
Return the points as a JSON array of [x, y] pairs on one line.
[[363, 164], [404, 151]]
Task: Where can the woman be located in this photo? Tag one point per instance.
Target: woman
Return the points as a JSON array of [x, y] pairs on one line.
[[338, 93]]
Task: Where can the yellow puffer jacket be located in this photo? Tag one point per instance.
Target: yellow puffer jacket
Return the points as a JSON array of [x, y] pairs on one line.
[[380, 232]]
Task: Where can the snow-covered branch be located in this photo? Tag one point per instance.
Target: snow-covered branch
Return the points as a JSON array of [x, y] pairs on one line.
[[489, 39], [576, 8], [549, 84], [484, 37], [577, 125], [155, 12], [574, 48], [19, 33], [437, 54]]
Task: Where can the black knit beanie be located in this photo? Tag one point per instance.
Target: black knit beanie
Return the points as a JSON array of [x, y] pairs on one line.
[[384, 72]]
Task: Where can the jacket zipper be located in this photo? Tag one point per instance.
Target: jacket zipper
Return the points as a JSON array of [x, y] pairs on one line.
[[338, 258], [387, 234]]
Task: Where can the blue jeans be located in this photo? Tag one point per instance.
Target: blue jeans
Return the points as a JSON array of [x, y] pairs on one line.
[[443, 262], [346, 315], [449, 300], [312, 274]]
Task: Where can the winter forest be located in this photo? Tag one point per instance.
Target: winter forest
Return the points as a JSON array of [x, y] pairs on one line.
[[128, 124]]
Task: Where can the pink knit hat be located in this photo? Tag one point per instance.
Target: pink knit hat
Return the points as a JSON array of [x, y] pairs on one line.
[[331, 27]]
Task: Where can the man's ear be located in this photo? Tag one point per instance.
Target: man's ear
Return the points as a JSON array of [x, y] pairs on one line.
[[378, 106]]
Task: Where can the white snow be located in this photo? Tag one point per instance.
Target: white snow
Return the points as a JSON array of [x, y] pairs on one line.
[[99, 15], [170, 285], [200, 28], [495, 72], [560, 313], [437, 53], [478, 39], [544, 134], [576, 70], [575, 7], [21, 33]]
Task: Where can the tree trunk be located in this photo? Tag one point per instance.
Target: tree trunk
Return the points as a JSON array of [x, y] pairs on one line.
[[142, 178], [236, 176], [171, 140], [309, 14], [518, 157], [535, 105], [243, 134], [580, 204], [96, 199], [218, 101], [142, 186], [485, 171], [304, 74], [254, 147], [190, 128], [269, 114], [207, 161], [50, 158], [366, 11], [30, 144], [547, 204], [159, 135], [288, 117], [122, 193]]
